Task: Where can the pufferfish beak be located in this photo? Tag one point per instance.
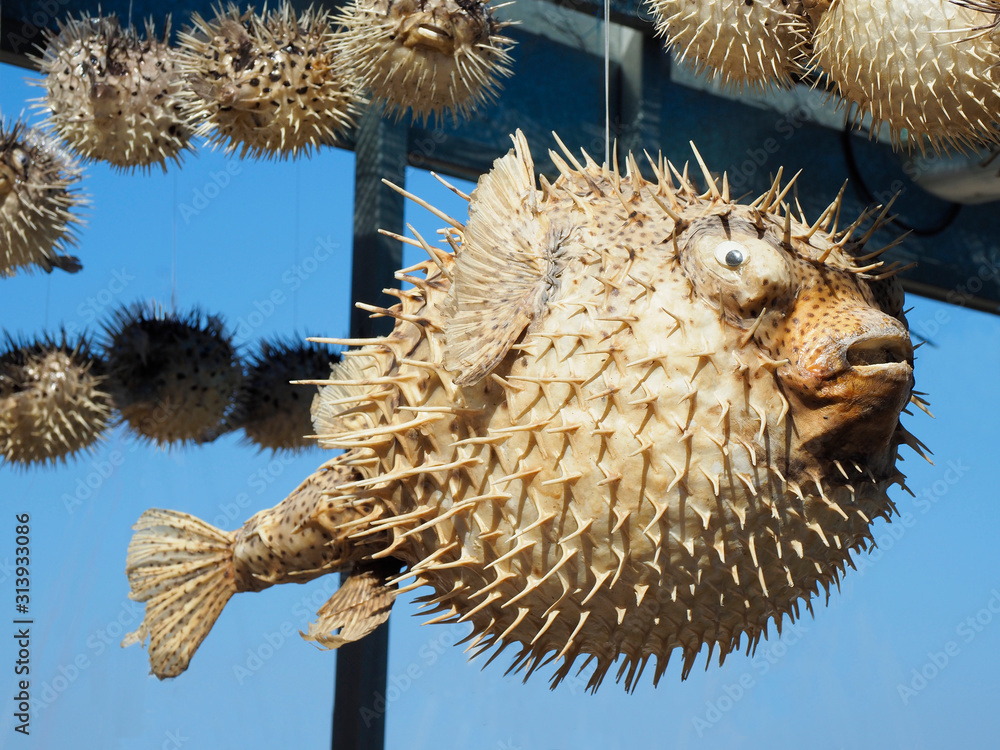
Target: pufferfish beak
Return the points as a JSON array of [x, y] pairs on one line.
[[851, 385], [866, 341]]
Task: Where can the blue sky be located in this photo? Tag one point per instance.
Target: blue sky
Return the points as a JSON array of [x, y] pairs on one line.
[[917, 614]]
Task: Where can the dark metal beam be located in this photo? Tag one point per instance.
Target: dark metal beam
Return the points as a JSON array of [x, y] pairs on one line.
[[358, 710], [380, 153]]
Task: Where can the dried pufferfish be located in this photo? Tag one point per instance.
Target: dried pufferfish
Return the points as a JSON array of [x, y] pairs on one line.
[[622, 419], [428, 56], [52, 400], [746, 44], [37, 198], [267, 85], [918, 66], [173, 378], [113, 95]]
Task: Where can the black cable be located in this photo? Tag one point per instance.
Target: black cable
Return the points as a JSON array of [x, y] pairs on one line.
[[866, 194]]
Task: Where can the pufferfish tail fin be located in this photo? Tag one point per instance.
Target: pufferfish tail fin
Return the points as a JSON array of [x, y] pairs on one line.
[[362, 603], [183, 569]]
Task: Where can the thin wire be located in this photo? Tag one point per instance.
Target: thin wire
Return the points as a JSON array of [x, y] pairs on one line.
[[607, 82], [295, 248], [173, 250]]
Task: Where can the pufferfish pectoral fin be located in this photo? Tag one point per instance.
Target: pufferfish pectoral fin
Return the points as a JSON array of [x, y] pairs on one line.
[[361, 604], [502, 270]]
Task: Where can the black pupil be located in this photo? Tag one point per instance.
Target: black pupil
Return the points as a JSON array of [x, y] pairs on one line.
[[734, 258]]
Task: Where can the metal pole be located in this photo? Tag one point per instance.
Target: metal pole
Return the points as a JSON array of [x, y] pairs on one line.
[[359, 698], [380, 153]]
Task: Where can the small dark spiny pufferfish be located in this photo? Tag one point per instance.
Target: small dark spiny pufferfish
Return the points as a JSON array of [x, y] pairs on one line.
[[52, 400], [37, 199], [172, 378], [428, 56], [113, 95], [623, 418], [267, 85], [272, 411]]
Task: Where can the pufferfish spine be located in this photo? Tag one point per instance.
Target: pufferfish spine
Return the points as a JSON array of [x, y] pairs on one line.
[[917, 66], [269, 84], [113, 95], [624, 419], [428, 56], [39, 200], [991, 28], [757, 45]]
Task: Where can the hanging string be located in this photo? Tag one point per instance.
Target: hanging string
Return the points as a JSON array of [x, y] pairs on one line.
[[607, 82], [173, 250], [295, 247]]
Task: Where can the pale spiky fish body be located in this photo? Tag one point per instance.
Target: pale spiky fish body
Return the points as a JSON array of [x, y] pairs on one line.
[[753, 44], [113, 94], [38, 201], [919, 66], [622, 419], [269, 84], [428, 56], [52, 401]]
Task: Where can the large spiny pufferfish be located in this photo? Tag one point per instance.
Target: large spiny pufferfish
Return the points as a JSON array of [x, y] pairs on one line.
[[622, 419]]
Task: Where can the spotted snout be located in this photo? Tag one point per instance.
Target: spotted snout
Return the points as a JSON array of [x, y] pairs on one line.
[[862, 342], [847, 382]]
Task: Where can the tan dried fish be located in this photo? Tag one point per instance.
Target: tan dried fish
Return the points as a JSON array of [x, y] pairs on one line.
[[929, 70], [621, 419], [113, 92], [428, 56]]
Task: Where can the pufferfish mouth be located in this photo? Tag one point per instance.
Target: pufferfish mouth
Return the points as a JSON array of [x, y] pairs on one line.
[[879, 352], [434, 36], [433, 31]]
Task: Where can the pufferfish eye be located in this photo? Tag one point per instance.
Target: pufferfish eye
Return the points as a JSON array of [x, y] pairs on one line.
[[731, 262], [20, 159], [731, 254]]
